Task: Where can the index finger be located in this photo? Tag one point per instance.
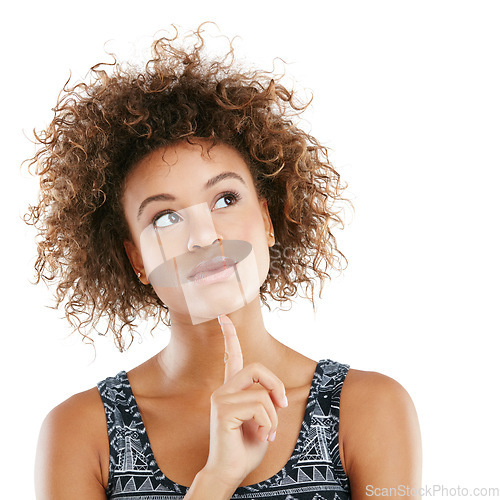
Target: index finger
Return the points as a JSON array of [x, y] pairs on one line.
[[233, 357]]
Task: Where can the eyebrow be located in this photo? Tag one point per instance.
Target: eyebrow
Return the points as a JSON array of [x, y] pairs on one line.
[[170, 197]]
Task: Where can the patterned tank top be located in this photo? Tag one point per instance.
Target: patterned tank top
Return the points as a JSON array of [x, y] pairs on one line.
[[313, 472]]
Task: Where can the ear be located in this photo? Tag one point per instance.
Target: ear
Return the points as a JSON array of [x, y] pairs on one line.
[[268, 223], [135, 259]]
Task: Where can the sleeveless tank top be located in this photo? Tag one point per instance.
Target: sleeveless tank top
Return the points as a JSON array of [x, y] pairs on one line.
[[314, 471]]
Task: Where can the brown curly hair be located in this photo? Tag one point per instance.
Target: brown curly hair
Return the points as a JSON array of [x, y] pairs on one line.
[[102, 128]]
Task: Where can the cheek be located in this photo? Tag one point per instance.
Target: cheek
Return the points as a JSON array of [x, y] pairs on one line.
[[250, 228], [256, 235], [172, 298]]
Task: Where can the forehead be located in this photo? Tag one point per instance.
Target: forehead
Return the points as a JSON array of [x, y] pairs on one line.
[[185, 163]]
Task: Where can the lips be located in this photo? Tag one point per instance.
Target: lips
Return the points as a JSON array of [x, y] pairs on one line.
[[211, 266]]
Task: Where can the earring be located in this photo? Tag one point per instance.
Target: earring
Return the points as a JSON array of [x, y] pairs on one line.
[[271, 234], [139, 275]]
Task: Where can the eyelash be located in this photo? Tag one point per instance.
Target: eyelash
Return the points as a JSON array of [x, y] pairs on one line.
[[234, 194]]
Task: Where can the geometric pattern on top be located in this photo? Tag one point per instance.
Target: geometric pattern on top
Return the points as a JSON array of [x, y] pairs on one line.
[[313, 472]]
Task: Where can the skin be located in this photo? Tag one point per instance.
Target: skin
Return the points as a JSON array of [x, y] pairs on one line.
[[183, 390]]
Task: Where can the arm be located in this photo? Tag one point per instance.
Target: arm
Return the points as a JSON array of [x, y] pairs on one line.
[[68, 463], [207, 486], [381, 437]]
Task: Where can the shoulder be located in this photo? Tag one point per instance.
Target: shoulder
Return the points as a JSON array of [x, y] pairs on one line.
[[72, 449], [377, 401], [379, 429], [77, 409], [82, 412], [375, 389]]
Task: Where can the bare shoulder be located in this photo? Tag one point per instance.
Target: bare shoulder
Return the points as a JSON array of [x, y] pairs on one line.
[[78, 409], [72, 447], [375, 400], [373, 388], [380, 433]]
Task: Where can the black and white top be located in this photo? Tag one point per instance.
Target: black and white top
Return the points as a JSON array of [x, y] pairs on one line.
[[313, 472]]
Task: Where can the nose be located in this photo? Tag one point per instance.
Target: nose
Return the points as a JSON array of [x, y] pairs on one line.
[[202, 232], [191, 248]]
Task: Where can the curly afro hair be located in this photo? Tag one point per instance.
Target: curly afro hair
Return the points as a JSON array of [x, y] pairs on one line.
[[103, 127]]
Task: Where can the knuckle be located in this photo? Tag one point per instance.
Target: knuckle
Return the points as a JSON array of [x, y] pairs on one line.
[[261, 406], [265, 398], [255, 366], [261, 410], [265, 417], [216, 397], [274, 419], [269, 408], [273, 414]]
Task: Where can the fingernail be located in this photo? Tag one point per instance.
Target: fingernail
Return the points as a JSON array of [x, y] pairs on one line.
[[285, 401], [272, 436]]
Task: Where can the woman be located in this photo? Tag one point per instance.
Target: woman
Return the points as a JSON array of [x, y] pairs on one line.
[[186, 192]]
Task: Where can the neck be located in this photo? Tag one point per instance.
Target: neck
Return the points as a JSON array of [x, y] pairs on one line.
[[194, 358]]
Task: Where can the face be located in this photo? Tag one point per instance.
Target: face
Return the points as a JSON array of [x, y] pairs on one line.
[[200, 234]]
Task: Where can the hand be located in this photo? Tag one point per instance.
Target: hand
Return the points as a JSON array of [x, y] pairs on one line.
[[241, 420]]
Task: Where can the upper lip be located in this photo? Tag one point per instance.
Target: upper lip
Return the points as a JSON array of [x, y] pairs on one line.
[[219, 262]]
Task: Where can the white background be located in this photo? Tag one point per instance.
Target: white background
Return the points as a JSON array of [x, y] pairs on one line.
[[407, 96]]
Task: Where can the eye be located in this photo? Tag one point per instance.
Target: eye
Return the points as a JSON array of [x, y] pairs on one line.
[[166, 219], [169, 217], [228, 195]]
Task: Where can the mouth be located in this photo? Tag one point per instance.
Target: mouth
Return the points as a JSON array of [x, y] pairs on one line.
[[211, 267]]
